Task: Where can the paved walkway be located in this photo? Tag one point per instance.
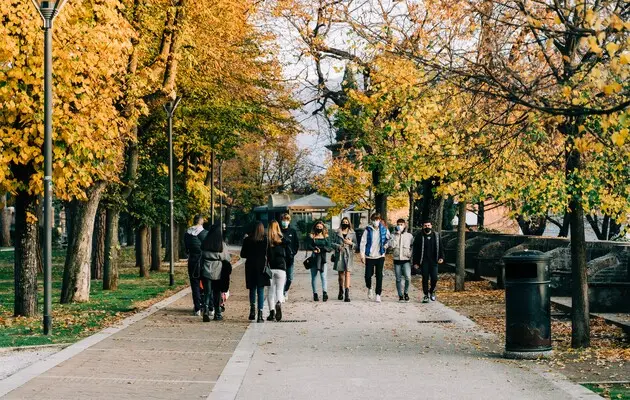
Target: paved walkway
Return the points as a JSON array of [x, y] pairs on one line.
[[361, 350]]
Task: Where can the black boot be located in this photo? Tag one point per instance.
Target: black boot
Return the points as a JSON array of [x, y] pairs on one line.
[[347, 295], [315, 297], [278, 311], [340, 296], [261, 318], [218, 316], [272, 315], [325, 296], [206, 315], [252, 312]]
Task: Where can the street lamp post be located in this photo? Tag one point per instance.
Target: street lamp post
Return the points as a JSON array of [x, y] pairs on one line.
[[48, 10], [170, 110], [221, 195]]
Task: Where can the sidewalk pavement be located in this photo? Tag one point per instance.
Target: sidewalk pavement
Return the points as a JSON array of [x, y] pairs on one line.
[[358, 350]]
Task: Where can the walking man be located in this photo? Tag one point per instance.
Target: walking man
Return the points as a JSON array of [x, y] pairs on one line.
[[193, 238], [401, 243], [374, 242], [428, 252], [291, 236]]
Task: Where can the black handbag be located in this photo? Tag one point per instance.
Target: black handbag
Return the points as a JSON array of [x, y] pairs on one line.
[[308, 262], [267, 271]]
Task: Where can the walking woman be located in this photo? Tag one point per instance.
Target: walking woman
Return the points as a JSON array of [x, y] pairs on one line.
[[214, 253], [320, 244], [254, 250], [344, 257], [277, 259]]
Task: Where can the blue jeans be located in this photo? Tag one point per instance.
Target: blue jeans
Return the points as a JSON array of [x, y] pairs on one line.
[[260, 290], [324, 276], [290, 272], [401, 270]]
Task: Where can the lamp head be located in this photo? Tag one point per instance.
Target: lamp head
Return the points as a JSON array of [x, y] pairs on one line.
[[48, 9]]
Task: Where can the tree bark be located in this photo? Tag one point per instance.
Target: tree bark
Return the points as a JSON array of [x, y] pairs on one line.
[[69, 210], [26, 259], [460, 265], [580, 319], [156, 247], [380, 198], [98, 243], [5, 222], [76, 274], [481, 215], [110, 265], [410, 221], [566, 224], [142, 251], [439, 215]]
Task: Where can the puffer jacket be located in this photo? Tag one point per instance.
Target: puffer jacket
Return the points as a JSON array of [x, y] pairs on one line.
[[212, 263], [402, 245]]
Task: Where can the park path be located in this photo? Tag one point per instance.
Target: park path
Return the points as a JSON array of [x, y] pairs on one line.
[[358, 350]]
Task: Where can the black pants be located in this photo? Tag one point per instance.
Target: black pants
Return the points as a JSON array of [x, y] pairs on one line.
[[194, 274], [429, 270], [370, 266], [212, 296]]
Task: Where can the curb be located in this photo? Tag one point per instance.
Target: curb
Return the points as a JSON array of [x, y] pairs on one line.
[[34, 370], [33, 348]]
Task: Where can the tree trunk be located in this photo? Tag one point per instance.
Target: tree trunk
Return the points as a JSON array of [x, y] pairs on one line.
[[410, 223], [580, 320], [5, 222], [142, 250], [98, 244], [439, 215], [156, 247], [533, 227], [380, 198], [566, 224], [180, 232], [460, 265], [431, 205], [130, 233], [110, 266], [26, 255], [76, 274], [481, 211]]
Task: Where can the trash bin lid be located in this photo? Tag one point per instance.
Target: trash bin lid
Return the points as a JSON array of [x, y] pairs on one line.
[[527, 255]]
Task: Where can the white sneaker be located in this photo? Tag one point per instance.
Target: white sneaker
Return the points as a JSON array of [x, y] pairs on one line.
[[286, 297], [370, 294], [211, 313], [378, 298], [197, 313]]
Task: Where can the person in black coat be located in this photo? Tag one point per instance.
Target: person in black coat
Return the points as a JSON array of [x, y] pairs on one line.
[[193, 238], [254, 251], [291, 236], [428, 252], [277, 259]]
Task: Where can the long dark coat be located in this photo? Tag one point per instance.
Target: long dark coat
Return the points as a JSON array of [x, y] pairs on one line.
[[254, 254]]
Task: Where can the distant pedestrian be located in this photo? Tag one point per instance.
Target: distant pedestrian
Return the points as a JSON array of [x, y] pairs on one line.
[[214, 255], [254, 251], [344, 257], [428, 252], [374, 242], [291, 236], [277, 259], [320, 244], [402, 244], [192, 239]]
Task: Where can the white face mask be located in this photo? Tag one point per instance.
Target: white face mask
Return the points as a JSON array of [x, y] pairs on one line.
[[285, 224], [400, 228], [376, 223]]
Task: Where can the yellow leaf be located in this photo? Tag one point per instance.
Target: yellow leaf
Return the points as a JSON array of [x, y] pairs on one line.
[[612, 88], [624, 58], [612, 48]]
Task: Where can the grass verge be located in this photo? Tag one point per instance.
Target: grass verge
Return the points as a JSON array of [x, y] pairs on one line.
[[611, 391], [72, 322]]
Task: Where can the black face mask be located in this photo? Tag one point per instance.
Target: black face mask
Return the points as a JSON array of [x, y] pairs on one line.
[[345, 226], [427, 230], [318, 230]]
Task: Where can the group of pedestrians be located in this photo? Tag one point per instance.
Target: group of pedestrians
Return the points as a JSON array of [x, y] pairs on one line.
[[270, 262], [209, 269]]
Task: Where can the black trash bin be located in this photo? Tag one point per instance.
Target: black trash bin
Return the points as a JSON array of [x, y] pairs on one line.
[[527, 305]]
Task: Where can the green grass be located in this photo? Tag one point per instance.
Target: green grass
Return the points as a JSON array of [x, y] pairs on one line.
[[612, 391], [72, 322]]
